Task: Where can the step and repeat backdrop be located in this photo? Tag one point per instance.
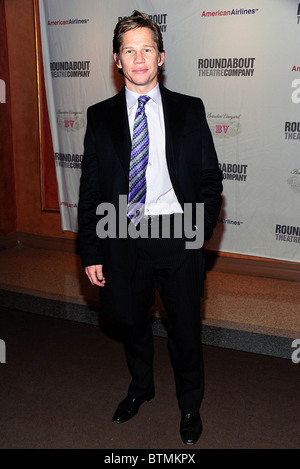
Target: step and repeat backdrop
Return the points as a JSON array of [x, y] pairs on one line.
[[241, 58]]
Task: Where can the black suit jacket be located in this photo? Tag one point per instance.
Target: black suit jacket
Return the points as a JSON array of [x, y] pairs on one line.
[[193, 168]]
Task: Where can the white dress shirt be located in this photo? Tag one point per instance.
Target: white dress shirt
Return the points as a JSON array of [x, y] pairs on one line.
[[160, 195]]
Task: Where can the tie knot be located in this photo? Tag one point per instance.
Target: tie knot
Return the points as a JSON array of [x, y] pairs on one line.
[[142, 100]]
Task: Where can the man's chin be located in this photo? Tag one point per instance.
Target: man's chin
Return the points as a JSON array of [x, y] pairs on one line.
[[140, 85]]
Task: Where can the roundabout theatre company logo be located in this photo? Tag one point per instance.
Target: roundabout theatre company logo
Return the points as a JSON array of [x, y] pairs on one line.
[[226, 67]]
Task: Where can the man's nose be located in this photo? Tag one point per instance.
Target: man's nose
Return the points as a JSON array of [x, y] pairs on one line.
[[139, 57]]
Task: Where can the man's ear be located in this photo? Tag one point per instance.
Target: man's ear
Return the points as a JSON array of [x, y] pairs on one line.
[[117, 60], [161, 58]]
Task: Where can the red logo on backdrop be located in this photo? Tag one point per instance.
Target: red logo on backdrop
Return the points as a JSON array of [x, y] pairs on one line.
[[70, 120], [222, 128], [224, 125]]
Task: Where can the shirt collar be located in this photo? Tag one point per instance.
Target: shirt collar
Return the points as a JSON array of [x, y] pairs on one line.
[[132, 97]]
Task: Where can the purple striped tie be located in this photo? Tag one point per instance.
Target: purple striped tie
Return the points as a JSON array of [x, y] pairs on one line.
[[138, 163]]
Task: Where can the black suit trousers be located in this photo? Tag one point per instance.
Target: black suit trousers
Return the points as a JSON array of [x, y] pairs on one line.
[[166, 265]]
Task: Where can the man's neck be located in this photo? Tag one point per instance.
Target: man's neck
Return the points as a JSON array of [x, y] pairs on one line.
[[140, 89]]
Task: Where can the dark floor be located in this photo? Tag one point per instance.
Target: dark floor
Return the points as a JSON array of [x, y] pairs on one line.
[[62, 381]]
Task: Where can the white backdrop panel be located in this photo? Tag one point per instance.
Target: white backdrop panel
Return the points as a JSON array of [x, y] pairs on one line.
[[240, 58]]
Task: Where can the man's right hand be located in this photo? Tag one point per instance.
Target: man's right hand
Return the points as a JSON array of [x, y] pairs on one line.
[[95, 275]]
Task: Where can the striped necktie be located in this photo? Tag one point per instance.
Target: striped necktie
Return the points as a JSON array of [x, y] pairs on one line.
[[138, 163]]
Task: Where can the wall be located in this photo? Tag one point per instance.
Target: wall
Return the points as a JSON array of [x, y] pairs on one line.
[[7, 177], [20, 160]]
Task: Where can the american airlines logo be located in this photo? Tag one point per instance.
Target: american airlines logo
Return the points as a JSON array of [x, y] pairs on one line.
[[68, 22], [233, 12]]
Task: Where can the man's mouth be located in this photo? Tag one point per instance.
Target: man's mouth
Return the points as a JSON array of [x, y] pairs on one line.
[[140, 70]]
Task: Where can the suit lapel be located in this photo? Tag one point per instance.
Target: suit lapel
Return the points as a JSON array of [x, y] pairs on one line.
[[119, 129], [174, 116]]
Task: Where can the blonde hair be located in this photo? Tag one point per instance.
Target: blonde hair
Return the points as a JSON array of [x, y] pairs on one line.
[[136, 20]]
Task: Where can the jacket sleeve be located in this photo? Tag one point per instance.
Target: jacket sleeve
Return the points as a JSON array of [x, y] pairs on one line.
[[211, 177], [89, 199]]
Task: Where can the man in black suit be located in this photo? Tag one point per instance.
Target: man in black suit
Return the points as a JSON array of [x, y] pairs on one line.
[[178, 167]]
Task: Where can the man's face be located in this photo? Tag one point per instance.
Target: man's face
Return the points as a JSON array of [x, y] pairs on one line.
[[139, 59]]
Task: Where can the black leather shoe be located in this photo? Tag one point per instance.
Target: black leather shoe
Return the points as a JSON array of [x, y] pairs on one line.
[[190, 427], [129, 408]]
